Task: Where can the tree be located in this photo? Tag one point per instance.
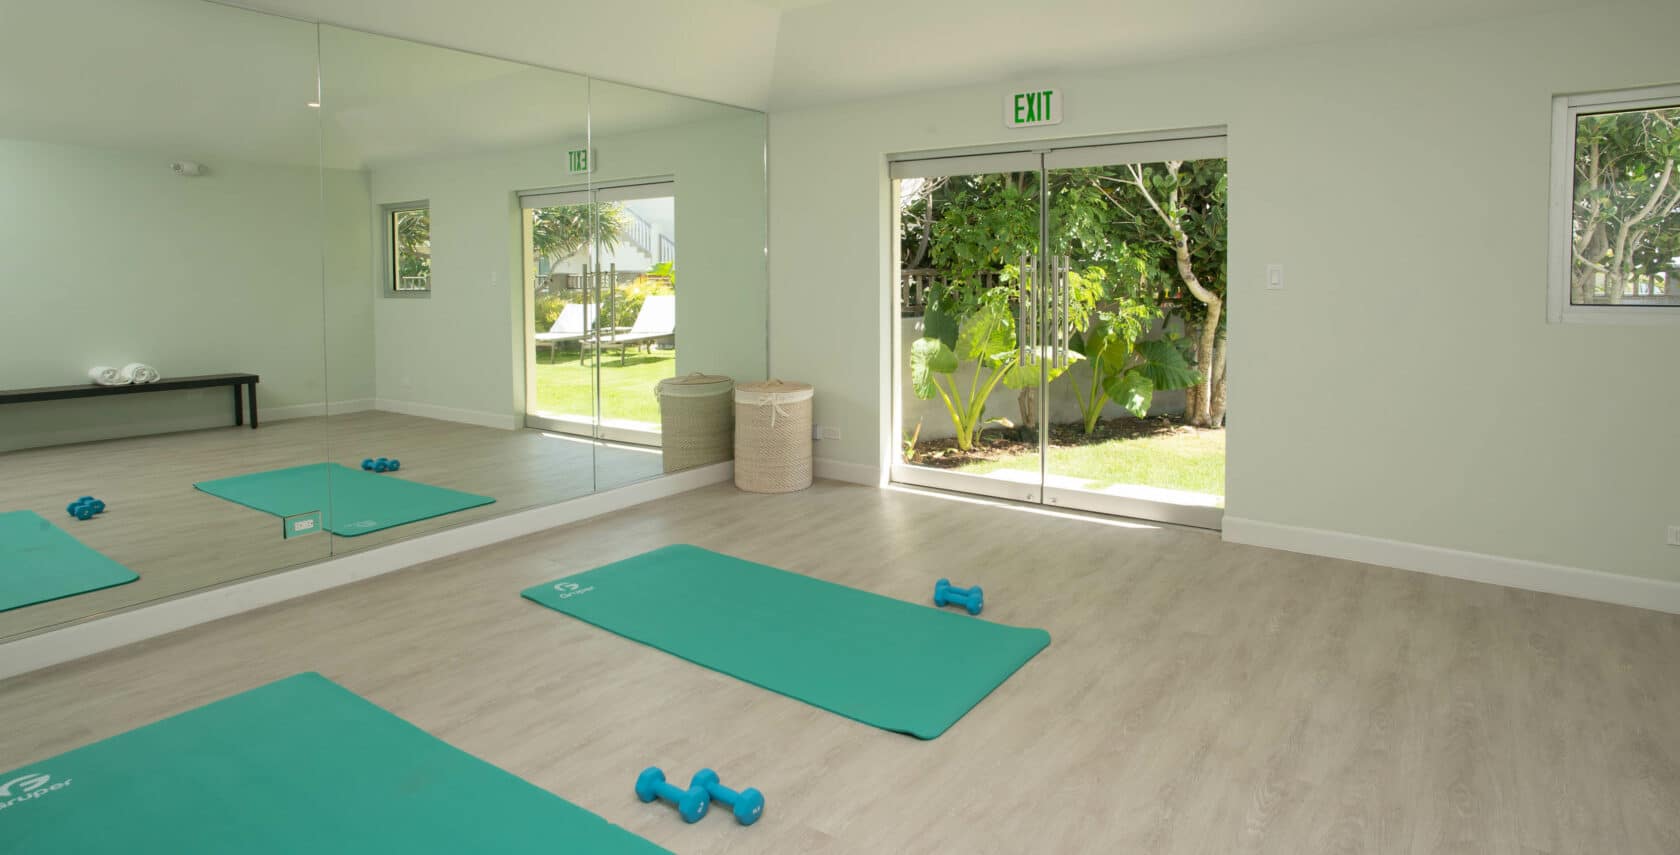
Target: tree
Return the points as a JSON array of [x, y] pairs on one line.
[[414, 243], [1626, 229], [563, 230], [1180, 207]]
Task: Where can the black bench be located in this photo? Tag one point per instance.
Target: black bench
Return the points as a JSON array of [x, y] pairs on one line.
[[243, 400]]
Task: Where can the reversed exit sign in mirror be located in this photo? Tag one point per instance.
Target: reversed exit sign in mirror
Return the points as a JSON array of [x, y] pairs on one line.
[[1030, 109], [298, 525], [577, 161]]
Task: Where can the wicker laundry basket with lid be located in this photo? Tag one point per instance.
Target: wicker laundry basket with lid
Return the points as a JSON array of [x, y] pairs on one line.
[[773, 436], [697, 420]]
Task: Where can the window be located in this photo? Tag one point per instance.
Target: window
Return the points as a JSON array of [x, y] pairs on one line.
[[1616, 206], [408, 266]]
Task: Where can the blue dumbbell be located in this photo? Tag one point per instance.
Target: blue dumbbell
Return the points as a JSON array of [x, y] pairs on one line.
[[973, 599], [85, 508], [748, 804], [393, 465], [367, 464], [691, 804]]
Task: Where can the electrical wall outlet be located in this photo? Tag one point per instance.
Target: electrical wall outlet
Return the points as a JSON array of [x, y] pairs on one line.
[[1674, 535], [820, 432]]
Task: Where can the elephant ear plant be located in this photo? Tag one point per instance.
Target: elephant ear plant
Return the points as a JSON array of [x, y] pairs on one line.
[[986, 338], [1124, 369]]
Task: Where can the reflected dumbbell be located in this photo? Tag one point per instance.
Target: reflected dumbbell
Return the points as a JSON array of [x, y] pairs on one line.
[[85, 508], [382, 464]]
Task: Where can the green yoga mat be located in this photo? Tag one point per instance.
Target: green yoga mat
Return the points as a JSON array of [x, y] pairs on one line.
[[299, 765], [899, 666], [352, 501], [40, 561]]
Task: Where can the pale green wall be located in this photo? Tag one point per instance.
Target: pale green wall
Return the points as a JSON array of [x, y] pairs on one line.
[[1405, 385], [106, 257], [461, 349]]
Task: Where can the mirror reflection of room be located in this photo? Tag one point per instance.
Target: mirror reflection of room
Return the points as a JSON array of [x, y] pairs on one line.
[[161, 266], [341, 265]]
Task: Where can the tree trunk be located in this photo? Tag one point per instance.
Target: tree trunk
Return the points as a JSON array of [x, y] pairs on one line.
[[1029, 409], [1216, 409], [1195, 396]]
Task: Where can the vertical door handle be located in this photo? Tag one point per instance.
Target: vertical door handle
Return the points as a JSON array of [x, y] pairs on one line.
[[1023, 314]]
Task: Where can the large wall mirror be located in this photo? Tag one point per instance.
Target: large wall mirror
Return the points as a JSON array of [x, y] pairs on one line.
[[300, 249]]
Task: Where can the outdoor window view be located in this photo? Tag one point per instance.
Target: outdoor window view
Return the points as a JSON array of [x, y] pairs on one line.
[[1626, 236], [411, 248], [1096, 366], [605, 319]]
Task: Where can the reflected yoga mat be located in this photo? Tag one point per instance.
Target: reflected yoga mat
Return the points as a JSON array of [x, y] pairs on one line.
[[40, 561], [299, 765], [352, 501], [899, 666]]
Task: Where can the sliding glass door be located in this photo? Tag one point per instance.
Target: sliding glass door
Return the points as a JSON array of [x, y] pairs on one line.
[[601, 313], [1060, 338]]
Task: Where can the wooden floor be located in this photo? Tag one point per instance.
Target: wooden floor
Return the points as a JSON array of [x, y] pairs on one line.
[[179, 539], [1198, 697]]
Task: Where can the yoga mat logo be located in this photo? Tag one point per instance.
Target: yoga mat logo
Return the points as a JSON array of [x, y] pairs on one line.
[[32, 786], [569, 590]]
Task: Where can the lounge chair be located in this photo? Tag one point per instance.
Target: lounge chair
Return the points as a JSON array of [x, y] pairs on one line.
[[656, 320], [575, 322]]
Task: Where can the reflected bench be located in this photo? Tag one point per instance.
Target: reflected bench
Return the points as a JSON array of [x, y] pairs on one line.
[[244, 392]]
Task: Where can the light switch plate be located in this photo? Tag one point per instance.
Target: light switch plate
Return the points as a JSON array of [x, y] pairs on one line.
[[1274, 277]]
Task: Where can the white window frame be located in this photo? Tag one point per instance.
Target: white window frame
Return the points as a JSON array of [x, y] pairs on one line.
[[388, 265], [1565, 110]]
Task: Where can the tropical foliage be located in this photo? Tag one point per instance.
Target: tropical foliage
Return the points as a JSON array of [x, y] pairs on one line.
[[1146, 245], [1626, 207]]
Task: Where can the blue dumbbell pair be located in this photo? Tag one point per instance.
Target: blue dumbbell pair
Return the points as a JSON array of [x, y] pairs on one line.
[[703, 789], [973, 599], [85, 508], [383, 464]]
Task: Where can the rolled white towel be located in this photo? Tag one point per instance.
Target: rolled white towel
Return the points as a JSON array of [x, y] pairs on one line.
[[105, 375], [139, 372]]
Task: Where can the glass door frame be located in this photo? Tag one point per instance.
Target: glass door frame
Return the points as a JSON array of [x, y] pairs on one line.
[[1042, 157]]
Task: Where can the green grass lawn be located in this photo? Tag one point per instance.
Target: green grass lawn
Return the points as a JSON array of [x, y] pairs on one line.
[[1184, 460], [563, 386]]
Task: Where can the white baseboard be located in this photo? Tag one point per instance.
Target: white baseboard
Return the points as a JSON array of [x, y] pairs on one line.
[[55, 647], [305, 411], [856, 473], [504, 421], [1637, 591]]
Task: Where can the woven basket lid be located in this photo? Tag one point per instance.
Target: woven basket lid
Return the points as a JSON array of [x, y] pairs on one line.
[[694, 385], [772, 391]]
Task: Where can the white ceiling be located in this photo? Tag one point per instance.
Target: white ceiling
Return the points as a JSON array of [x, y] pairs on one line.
[[187, 80], [793, 53]]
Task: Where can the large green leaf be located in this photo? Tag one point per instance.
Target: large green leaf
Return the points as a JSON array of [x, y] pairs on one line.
[[1165, 365], [929, 356], [986, 334], [941, 325], [1132, 390]]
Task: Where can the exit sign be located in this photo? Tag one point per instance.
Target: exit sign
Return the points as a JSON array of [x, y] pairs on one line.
[[1028, 109], [577, 161]]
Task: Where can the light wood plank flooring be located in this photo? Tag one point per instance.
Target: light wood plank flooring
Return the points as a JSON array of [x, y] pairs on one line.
[[1198, 697], [179, 539]]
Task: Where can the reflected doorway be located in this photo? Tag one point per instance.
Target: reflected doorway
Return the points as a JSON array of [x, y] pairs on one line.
[[601, 309]]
